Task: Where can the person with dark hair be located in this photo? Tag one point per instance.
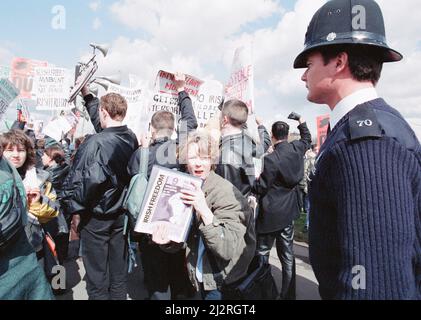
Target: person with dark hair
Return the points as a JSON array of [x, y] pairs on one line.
[[238, 148], [43, 206], [365, 209], [309, 161], [277, 191], [56, 165], [54, 161], [94, 188], [21, 277]]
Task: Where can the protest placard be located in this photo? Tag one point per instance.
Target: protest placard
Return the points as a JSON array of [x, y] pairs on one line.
[[137, 114], [31, 180], [162, 205], [51, 88], [56, 128], [22, 75], [165, 81], [206, 103], [322, 127], [8, 93], [241, 82], [4, 72], [165, 96]]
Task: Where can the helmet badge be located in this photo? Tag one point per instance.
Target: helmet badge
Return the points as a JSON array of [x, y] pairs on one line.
[[331, 36]]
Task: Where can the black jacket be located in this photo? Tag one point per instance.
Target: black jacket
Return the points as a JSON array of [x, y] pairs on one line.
[[58, 174], [163, 151], [276, 188], [99, 176], [236, 158]]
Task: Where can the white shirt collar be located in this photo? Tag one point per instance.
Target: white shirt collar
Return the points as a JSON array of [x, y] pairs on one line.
[[350, 102]]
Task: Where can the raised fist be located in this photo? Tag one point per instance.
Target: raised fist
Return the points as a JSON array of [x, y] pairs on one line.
[[294, 116]]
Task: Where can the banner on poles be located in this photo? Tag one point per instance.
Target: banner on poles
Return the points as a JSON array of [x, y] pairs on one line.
[[8, 93], [22, 75], [322, 127], [240, 85], [51, 88]]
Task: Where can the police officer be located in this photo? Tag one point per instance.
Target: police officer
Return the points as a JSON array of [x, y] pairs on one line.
[[365, 228]]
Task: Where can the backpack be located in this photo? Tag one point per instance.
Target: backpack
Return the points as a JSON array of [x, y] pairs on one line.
[[12, 206], [132, 204], [137, 189]]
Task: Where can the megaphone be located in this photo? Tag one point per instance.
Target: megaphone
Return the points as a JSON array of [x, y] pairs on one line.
[[102, 83], [116, 79], [94, 90], [104, 48]]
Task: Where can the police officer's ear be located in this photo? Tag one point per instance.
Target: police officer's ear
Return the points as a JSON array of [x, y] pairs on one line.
[[341, 61]]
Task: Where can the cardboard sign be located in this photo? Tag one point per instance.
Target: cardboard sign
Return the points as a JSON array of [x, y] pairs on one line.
[[165, 95], [322, 126], [206, 103], [165, 83], [51, 88], [137, 115], [8, 93], [22, 75], [57, 128], [4, 72], [240, 85]]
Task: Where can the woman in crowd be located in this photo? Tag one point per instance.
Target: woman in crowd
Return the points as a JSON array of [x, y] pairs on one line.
[[21, 277], [222, 241], [42, 205], [54, 162]]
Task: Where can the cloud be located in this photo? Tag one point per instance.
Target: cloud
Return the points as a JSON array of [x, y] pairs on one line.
[[95, 5], [200, 37], [192, 27], [97, 24]]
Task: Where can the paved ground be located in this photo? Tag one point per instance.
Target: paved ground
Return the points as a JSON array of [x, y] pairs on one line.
[[306, 281]]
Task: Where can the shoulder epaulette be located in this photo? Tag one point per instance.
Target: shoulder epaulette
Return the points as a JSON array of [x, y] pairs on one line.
[[363, 123]]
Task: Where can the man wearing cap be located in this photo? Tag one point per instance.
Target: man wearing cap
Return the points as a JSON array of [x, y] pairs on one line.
[[365, 192]]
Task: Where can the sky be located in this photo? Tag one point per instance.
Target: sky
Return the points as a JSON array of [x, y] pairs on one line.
[[199, 37]]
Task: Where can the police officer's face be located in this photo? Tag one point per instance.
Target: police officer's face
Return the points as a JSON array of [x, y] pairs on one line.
[[319, 78]]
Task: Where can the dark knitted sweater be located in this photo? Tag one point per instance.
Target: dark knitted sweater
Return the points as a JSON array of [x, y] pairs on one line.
[[365, 211]]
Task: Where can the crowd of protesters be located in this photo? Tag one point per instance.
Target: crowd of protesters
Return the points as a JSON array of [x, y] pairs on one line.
[[361, 191], [90, 182]]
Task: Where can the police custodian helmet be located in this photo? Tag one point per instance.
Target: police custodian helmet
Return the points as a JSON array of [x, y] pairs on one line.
[[356, 22]]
